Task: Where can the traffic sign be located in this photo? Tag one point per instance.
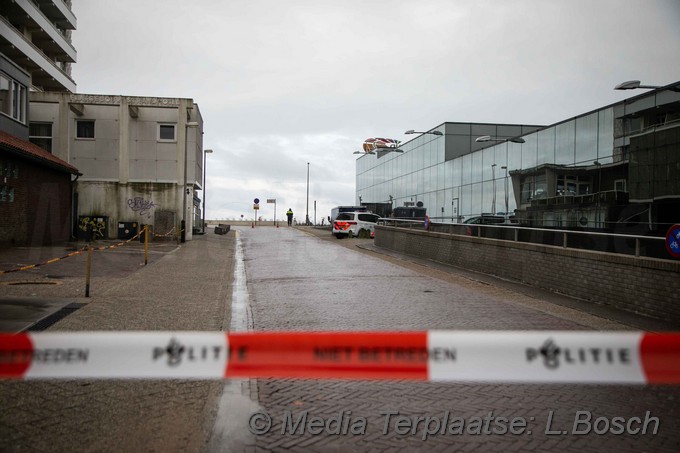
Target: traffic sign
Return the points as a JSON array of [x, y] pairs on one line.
[[271, 200], [673, 241], [256, 201], [256, 206]]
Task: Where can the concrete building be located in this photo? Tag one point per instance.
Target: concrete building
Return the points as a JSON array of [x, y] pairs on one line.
[[35, 55], [615, 169], [141, 158]]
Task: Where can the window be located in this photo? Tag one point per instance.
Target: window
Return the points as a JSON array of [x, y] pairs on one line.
[[572, 185], [13, 98], [526, 189], [41, 134], [620, 185], [166, 132], [85, 129]]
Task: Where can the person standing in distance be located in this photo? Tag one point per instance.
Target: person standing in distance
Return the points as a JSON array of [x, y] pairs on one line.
[[289, 213]]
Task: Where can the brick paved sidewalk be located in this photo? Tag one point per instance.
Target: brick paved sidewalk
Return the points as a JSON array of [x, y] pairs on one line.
[[187, 289]]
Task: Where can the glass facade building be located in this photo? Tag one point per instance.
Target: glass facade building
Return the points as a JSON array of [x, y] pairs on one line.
[[456, 177]]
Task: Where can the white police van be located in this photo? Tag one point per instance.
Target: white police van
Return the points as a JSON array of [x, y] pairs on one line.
[[349, 224]]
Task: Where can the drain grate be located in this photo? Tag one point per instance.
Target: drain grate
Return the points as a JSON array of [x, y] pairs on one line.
[[54, 318]]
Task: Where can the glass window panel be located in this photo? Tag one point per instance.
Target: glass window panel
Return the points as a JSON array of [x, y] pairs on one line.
[[40, 129], [501, 154], [448, 173], [586, 139], [84, 129], [487, 197], [477, 166], [605, 145], [476, 198], [564, 143], [529, 151], [5, 95], [488, 159], [514, 156], [456, 178], [467, 169], [526, 188], [441, 149], [546, 146], [466, 201]]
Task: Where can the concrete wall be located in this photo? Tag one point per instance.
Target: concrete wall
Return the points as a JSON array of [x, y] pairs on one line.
[[132, 202], [646, 286]]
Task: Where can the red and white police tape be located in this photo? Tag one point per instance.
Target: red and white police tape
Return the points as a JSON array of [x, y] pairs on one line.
[[455, 356]]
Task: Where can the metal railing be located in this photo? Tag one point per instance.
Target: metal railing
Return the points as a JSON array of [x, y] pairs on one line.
[[625, 244]]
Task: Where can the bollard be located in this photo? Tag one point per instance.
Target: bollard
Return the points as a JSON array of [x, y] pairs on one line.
[[88, 270]]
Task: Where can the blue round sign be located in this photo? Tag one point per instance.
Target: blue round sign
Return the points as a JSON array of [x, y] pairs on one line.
[[257, 200], [673, 241]]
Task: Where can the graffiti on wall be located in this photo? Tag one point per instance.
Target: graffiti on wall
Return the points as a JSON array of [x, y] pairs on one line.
[[95, 225], [141, 206]]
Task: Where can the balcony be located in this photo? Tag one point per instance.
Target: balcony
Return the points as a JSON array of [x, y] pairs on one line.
[[44, 71]]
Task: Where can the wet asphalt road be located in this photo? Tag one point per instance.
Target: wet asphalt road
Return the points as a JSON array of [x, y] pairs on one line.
[[302, 281]]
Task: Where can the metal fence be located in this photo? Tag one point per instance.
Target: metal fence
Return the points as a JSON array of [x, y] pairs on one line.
[[625, 244]]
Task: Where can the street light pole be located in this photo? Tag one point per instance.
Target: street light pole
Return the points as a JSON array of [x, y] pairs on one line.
[[205, 151], [307, 212], [504, 167], [183, 225], [411, 131], [493, 180]]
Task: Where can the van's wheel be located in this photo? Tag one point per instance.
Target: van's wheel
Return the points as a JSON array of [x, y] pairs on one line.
[[350, 235]]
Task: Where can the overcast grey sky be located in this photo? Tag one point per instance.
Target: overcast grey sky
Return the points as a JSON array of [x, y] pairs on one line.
[[283, 83]]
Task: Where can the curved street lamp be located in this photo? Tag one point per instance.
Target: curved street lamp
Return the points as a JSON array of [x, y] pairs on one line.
[[633, 85], [411, 131], [488, 138]]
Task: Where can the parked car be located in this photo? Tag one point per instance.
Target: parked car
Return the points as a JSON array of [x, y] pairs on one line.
[[349, 224], [491, 219]]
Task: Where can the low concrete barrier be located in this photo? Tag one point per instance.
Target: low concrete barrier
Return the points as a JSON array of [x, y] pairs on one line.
[[646, 286], [222, 229]]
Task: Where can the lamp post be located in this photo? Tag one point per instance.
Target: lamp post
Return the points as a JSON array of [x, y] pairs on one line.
[[635, 84], [599, 188], [488, 138], [411, 131], [307, 211], [504, 167], [205, 151], [183, 225], [493, 187], [632, 85]]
